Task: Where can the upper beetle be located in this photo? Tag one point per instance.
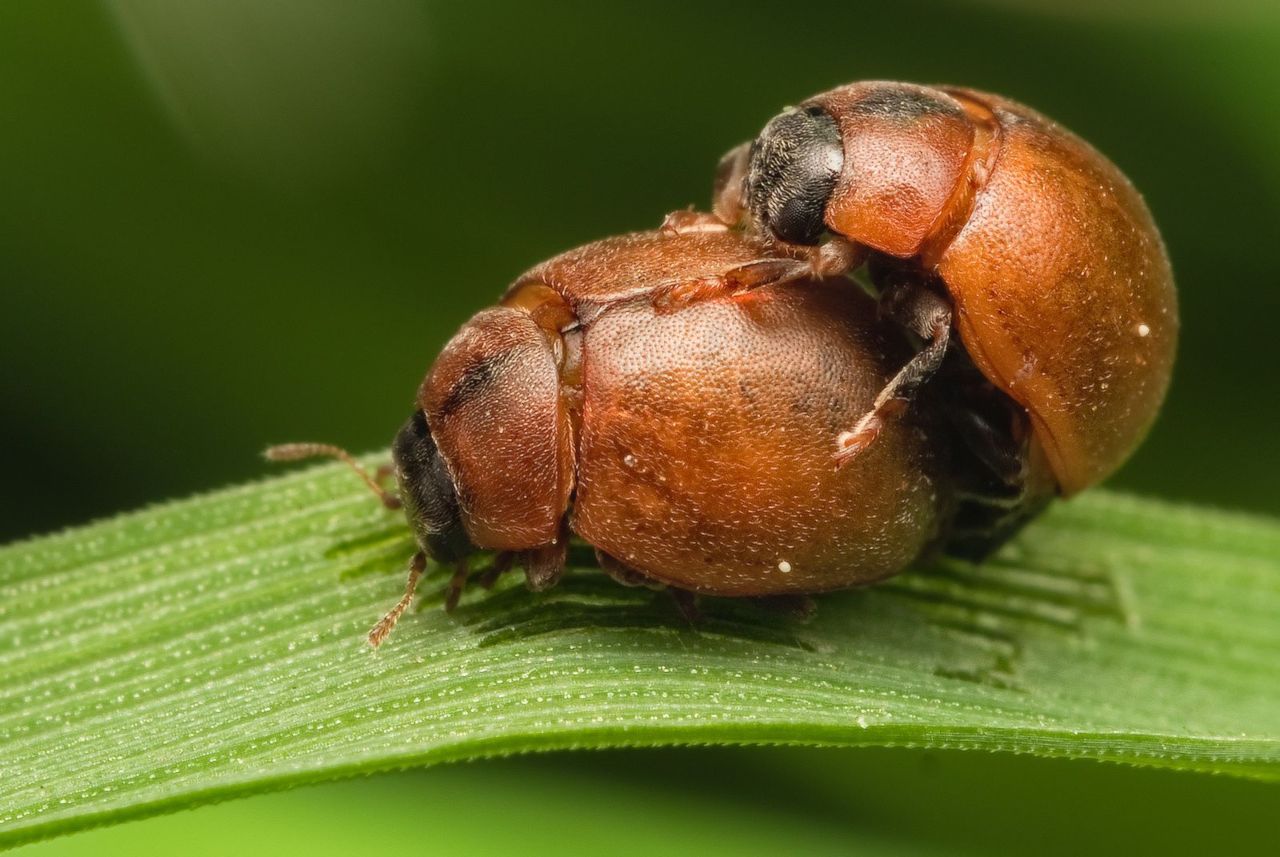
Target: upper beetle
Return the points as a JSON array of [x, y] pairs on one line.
[[976, 212]]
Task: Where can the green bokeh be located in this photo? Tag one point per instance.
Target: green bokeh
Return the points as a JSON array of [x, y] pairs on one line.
[[229, 224]]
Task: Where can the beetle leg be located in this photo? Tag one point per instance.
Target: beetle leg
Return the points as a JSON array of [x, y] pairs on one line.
[[1008, 488], [621, 572], [686, 602], [457, 583], [500, 565], [543, 566], [929, 315], [688, 220], [379, 632], [833, 258], [681, 294], [729, 186], [743, 278], [798, 607], [986, 522], [998, 451]]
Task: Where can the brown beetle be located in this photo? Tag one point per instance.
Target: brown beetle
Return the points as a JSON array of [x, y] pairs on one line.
[[682, 431], [969, 204]]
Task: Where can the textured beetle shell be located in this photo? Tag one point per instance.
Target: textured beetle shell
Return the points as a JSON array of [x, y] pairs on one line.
[[1064, 295], [705, 459], [1063, 292]]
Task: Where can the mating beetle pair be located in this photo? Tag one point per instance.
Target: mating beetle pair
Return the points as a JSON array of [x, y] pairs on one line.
[[717, 407]]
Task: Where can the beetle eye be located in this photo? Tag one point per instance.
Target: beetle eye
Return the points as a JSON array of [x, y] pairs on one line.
[[427, 491], [795, 163]]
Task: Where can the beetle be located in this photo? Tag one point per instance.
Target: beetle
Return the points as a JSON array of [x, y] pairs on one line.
[[618, 393], [977, 213]]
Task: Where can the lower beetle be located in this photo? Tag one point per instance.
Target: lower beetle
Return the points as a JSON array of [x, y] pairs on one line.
[[621, 393]]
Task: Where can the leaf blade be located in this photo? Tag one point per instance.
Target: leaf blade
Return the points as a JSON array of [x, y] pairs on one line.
[[213, 647]]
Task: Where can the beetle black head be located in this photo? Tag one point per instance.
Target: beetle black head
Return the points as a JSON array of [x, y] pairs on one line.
[[427, 491], [795, 163]]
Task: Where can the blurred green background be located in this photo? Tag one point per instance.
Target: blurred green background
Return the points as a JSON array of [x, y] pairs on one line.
[[230, 223]]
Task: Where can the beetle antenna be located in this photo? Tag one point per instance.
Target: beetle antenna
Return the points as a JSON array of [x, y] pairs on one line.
[[300, 451], [379, 632]]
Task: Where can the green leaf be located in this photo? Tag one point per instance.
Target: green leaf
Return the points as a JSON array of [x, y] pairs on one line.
[[215, 647]]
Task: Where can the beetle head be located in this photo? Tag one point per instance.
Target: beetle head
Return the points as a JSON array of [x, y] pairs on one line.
[[427, 492], [794, 166]]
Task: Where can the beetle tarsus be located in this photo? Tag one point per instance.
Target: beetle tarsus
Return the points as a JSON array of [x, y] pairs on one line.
[[834, 257], [380, 631], [544, 566], [851, 444], [620, 571], [927, 314], [730, 182], [457, 583], [686, 602], [687, 220]]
